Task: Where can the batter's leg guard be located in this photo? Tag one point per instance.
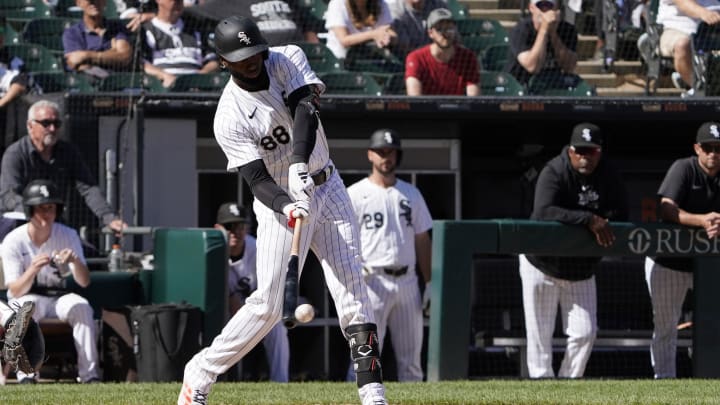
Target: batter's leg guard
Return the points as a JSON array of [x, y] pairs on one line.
[[365, 353]]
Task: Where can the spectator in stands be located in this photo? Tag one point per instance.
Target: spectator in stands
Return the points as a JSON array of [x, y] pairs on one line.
[[542, 43], [444, 67], [352, 23], [680, 19], [233, 219], [42, 155], [173, 48], [410, 22], [36, 258], [137, 12], [13, 82], [578, 187], [96, 45], [688, 196]]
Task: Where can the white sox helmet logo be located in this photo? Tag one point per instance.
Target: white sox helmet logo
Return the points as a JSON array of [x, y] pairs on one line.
[[244, 38], [234, 209], [714, 131], [44, 191]]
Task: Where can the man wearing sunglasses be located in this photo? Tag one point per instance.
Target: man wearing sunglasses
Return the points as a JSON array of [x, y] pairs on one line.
[[542, 43], [577, 187], [233, 219], [42, 155], [688, 196]]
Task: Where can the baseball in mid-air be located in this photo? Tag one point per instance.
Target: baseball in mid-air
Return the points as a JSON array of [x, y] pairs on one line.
[[304, 313]]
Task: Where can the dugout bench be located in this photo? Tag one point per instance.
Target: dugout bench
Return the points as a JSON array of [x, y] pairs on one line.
[[456, 242]]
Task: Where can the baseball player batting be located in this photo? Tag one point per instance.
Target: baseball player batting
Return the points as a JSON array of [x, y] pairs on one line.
[[394, 223], [267, 124]]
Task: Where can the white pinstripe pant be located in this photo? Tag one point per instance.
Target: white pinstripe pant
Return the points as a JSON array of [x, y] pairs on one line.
[[578, 302], [333, 234], [667, 289]]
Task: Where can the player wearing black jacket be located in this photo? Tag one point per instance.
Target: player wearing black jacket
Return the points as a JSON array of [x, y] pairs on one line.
[[577, 187]]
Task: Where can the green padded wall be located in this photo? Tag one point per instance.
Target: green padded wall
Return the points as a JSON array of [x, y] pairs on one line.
[[191, 266]]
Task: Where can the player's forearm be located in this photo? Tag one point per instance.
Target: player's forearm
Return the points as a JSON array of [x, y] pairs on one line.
[[423, 249], [303, 103], [22, 284], [80, 273], [263, 186]]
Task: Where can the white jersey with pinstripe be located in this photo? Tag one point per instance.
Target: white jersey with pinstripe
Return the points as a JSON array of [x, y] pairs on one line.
[[258, 125], [18, 251], [389, 218]]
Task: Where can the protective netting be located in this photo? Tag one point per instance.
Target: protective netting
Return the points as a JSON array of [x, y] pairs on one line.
[[616, 43]]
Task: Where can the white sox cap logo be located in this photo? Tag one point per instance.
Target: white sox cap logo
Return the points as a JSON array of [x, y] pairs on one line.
[[586, 134], [234, 210], [242, 36], [388, 137], [44, 191], [714, 131]]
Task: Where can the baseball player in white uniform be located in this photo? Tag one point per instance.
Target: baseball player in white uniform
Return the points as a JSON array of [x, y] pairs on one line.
[[394, 224], [267, 124], [36, 257], [242, 280]]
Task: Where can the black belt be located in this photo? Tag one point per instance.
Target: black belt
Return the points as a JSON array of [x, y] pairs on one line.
[[396, 272], [323, 175]]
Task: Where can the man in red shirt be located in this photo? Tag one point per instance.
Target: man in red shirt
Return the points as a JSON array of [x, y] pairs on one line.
[[443, 67]]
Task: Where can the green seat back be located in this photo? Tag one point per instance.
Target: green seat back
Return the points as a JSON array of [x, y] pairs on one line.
[[395, 84], [201, 82], [351, 83], [37, 58], [47, 32], [131, 82], [478, 34], [320, 57], [554, 84], [60, 82], [495, 57], [500, 84]]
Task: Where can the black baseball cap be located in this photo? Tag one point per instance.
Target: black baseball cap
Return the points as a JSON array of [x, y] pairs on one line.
[[708, 132], [586, 134], [229, 213]]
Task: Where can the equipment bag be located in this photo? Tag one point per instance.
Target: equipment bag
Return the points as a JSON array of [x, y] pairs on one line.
[[165, 337]]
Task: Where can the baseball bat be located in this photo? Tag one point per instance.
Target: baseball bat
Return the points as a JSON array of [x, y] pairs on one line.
[[291, 279]]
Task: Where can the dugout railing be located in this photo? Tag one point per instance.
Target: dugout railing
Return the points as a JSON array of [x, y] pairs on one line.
[[455, 243]]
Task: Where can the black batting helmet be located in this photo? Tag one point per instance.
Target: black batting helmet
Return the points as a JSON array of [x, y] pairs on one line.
[[41, 192], [386, 138], [238, 38]]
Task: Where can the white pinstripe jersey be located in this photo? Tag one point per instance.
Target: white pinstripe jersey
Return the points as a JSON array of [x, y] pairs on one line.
[[389, 220], [258, 125], [18, 251]]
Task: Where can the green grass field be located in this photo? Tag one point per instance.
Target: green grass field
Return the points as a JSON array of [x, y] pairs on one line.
[[510, 392]]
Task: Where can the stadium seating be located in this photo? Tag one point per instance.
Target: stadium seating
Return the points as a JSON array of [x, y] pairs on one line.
[[351, 83], [705, 61], [37, 58], [200, 82], [11, 36], [395, 84], [60, 82], [460, 11], [47, 32], [67, 8], [28, 10], [320, 57], [500, 84], [495, 57], [556, 84], [371, 59], [649, 49], [477, 33], [131, 82]]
